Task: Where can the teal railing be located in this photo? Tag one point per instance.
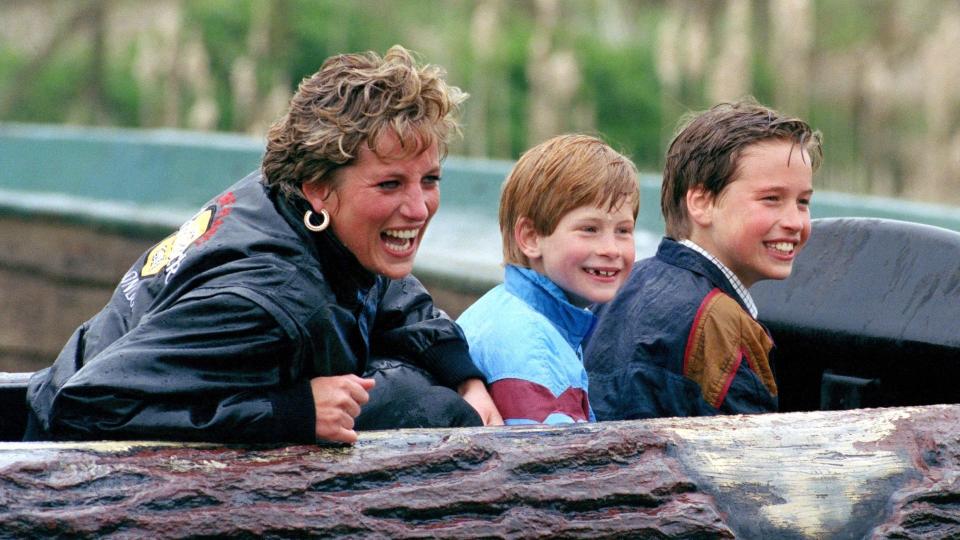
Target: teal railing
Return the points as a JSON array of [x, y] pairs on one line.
[[155, 179]]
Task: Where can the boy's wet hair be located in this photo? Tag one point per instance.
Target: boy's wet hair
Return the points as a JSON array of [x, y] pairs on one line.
[[705, 152], [559, 175]]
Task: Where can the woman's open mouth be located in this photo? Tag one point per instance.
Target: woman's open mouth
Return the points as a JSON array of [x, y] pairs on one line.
[[400, 241]]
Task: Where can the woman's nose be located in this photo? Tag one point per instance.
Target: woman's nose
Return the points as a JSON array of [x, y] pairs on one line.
[[415, 205]]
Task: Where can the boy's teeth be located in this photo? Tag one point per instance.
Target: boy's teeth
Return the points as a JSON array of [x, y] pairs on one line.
[[786, 247], [602, 273]]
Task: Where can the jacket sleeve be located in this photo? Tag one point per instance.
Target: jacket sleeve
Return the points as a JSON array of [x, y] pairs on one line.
[[410, 327], [213, 367]]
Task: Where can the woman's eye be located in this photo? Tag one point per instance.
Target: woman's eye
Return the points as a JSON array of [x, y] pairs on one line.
[[389, 184]]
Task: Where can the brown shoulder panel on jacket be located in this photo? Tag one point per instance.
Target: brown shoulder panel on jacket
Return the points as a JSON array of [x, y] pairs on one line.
[[722, 336]]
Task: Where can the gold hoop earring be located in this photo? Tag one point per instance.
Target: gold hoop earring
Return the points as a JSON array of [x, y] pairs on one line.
[[308, 221]]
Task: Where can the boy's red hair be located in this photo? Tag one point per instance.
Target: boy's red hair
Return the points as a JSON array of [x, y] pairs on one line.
[[557, 176]]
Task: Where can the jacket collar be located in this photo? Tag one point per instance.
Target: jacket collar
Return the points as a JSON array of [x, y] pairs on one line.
[[347, 277], [546, 298], [677, 254], [735, 282]]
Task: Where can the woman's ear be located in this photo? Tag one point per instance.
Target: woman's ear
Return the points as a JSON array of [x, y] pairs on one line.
[[527, 238], [700, 206], [316, 194]]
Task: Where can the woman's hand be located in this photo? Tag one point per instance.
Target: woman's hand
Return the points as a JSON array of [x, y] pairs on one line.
[[474, 392], [337, 401]]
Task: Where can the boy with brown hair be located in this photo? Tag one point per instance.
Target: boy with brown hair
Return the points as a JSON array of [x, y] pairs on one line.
[[567, 214], [681, 338]]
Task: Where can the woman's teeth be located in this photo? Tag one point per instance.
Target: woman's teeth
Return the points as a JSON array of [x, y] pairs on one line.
[[400, 240]]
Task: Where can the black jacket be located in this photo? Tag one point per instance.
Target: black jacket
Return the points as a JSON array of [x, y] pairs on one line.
[[216, 331]]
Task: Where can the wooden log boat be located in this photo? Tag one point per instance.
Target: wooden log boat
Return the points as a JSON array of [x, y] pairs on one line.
[[869, 473], [869, 318]]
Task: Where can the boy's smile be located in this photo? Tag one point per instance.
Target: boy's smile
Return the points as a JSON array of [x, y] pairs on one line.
[[589, 254], [761, 220]]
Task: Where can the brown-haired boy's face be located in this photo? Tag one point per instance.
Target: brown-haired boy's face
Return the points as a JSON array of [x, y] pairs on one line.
[[757, 225]]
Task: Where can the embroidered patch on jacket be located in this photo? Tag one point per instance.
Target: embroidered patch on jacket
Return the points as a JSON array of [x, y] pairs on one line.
[[172, 248], [169, 252]]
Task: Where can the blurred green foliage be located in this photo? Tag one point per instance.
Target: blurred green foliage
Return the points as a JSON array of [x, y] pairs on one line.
[[620, 51]]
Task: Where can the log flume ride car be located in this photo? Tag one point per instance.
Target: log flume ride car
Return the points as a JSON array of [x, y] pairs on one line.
[[869, 319]]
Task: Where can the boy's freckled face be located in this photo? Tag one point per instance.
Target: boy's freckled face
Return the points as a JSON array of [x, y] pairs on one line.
[[589, 254], [760, 221]]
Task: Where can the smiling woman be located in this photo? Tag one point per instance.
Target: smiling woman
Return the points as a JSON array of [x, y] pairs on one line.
[[256, 319], [380, 205]]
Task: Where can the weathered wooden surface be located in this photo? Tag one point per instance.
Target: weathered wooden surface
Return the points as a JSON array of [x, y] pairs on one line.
[[882, 473]]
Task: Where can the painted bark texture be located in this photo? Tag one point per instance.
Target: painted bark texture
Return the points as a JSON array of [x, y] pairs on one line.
[[887, 473]]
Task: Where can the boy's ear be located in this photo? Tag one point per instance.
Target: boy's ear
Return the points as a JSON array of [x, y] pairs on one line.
[[527, 238], [700, 206]]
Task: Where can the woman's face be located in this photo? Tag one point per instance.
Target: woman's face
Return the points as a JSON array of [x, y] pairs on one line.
[[381, 204]]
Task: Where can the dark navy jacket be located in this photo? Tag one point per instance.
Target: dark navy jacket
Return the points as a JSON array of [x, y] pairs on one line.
[[678, 341], [215, 333]]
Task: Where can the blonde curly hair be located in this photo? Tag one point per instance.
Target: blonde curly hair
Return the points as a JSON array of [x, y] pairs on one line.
[[353, 100]]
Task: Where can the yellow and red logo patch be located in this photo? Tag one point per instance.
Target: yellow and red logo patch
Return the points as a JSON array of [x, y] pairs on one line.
[[173, 246]]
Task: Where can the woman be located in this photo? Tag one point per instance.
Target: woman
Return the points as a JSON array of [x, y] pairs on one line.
[[252, 322]]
